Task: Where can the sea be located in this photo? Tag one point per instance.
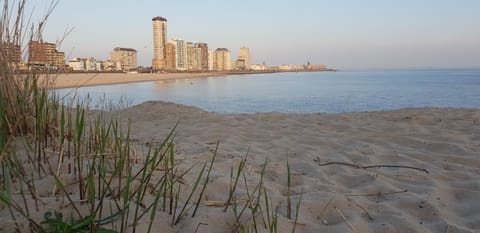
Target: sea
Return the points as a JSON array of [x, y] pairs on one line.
[[299, 92]]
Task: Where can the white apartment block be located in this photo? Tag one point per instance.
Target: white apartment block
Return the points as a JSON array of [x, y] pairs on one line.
[[181, 62]]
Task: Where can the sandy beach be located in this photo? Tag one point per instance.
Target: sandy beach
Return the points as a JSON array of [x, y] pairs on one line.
[[407, 170], [66, 80], [437, 190]]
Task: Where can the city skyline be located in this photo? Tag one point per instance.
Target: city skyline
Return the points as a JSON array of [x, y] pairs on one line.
[[343, 34]]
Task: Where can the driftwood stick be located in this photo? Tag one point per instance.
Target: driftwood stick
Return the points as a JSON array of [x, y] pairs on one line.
[[398, 166], [377, 194], [374, 166], [350, 225]]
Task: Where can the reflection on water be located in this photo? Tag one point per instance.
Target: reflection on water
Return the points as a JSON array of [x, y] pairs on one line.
[[309, 92]]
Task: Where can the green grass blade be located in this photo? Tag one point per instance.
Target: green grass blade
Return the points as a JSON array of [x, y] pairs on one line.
[[207, 179], [289, 183], [194, 188]]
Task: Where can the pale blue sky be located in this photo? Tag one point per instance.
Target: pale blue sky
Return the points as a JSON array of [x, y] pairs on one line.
[[345, 34]]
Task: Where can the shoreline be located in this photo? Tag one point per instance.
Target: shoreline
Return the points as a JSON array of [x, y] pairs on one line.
[[75, 80]]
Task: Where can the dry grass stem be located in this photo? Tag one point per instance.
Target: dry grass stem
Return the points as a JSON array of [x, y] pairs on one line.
[[379, 194], [372, 166], [350, 225], [325, 211]]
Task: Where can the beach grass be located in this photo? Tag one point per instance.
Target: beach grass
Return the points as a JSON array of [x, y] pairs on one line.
[[99, 181]]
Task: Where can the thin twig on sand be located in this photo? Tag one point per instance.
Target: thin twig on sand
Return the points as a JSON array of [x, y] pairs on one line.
[[350, 225], [373, 166], [377, 193], [324, 211]]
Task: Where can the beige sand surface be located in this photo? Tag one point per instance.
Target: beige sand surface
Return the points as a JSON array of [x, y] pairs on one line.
[[92, 79], [445, 142]]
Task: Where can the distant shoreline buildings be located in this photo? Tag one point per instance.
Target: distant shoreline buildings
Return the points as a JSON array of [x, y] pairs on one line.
[[175, 55]]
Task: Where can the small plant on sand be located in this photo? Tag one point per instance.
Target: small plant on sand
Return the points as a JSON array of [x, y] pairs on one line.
[[55, 223]]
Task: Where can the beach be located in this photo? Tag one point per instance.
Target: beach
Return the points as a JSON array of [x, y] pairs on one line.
[[405, 170], [423, 174], [66, 80], [69, 80]]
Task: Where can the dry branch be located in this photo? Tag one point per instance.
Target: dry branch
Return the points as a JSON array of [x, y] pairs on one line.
[[377, 194], [374, 166]]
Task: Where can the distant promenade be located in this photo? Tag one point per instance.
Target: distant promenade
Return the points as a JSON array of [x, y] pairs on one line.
[[69, 80]]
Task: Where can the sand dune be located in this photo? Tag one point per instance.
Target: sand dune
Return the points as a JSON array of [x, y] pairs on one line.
[[445, 142]]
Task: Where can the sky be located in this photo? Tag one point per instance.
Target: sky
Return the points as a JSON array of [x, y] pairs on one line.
[[343, 34]]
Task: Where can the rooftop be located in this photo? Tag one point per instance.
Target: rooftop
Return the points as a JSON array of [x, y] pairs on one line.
[[159, 18], [124, 49]]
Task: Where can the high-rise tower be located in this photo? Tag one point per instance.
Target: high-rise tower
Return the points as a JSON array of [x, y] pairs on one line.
[[159, 42], [245, 55], [203, 55]]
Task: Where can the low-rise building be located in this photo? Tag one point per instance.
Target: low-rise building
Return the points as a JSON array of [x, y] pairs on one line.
[[91, 64], [259, 67], [77, 64], [126, 56], [109, 65]]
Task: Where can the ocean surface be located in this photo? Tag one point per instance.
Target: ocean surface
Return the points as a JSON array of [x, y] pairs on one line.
[[302, 92]]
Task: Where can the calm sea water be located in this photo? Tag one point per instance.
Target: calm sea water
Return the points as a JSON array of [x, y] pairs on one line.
[[307, 92]]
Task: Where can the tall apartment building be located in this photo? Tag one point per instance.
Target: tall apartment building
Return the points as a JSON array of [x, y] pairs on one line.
[[45, 54], [181, 62], [171, 56], [222, 59], [245, 55], [203, 55], [11, 53], [211, 59], [126, 56], [191, 56], [159, 43]]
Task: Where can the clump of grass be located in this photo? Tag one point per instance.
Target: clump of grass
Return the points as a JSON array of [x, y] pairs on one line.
[[262, 211], [112, 187]]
